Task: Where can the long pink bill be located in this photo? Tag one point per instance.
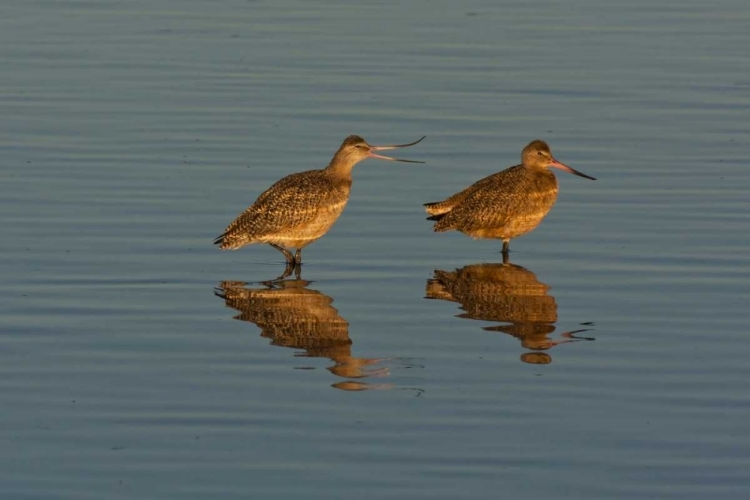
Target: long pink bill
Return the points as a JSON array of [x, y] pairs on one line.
[[562, 166], [395, 146]]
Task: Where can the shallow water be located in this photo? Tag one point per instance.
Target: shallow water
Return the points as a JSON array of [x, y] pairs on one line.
[[607, 359]]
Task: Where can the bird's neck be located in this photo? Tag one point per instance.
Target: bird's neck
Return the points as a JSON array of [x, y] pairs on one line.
[[542, 176], [341, 168]]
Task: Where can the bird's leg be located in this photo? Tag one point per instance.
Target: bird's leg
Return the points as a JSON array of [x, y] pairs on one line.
[[298, 263], [287, 254], [506, 246]]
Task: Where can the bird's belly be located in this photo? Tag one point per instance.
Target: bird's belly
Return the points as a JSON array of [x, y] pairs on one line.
[[512, 225], [522, 224], [512, 229], [304, 234]]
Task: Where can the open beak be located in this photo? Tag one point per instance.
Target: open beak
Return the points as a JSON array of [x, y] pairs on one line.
[[562, 166], [382, 157]]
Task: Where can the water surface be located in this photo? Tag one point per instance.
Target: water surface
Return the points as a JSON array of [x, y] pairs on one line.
[[606, 359]]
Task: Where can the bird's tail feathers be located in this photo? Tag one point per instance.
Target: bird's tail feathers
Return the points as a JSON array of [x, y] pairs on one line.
[[438, 207], [227, 242]]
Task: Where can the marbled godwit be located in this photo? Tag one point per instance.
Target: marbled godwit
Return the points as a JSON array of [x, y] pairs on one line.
[[506, 204], [302, 207]]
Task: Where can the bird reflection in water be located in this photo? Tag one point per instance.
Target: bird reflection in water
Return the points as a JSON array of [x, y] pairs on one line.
[[292, 315], [510, 294]]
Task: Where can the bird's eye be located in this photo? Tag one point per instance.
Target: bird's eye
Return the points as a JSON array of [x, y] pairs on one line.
[[539, 153]]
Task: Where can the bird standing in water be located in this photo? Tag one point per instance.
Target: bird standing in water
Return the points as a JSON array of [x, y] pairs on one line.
[[506, 204], [302, 207]]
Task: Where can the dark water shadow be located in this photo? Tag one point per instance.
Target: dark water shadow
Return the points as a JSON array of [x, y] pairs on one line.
[[510, 294], [295, 316]]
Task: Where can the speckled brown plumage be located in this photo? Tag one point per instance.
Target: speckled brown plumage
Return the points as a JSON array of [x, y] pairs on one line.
[[301, 207], [294, 212], [504, 205]]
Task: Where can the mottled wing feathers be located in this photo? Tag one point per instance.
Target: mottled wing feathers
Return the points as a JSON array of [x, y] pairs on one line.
[[448, 204], [290, 203]]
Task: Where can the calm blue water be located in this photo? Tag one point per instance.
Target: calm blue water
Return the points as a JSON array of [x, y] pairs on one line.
[[608, 359]]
